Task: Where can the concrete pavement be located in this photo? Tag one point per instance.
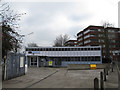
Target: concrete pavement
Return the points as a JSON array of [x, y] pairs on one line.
[[34, 75], [60, 78], [69, 79], [112, 79]]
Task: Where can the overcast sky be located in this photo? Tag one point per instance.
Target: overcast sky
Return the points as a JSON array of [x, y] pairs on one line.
[[50, 19]]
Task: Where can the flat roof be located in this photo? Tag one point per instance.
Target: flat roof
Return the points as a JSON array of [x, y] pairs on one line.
[[69, 47], [98, 27]]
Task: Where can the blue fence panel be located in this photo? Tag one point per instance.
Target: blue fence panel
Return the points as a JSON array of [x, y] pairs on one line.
[[13, 68]]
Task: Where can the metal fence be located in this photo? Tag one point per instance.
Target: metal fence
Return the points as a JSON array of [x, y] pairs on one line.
[[15, 66]]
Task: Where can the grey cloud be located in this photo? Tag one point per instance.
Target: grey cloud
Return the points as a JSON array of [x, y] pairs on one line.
[[78, 18], [74, 30], [41, 14]]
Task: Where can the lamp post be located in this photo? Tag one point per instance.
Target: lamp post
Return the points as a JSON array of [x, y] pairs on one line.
[[26, 62]]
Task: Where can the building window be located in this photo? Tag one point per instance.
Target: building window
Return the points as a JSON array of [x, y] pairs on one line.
[[86, 41], [92, 35], [87, 36], [99, 30], [86, 31], [80, 35], [88, 48], [80, 39], [80, 43], [93, 29], [94, 40], [27, 49], [29, 52], [85, 49], [111, 30]]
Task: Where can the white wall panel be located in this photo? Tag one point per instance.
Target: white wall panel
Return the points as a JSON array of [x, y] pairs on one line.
[[67, 53]]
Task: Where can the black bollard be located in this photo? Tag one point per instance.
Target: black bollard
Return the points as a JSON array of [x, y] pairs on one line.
[[106, 71], [112, 69], [104, 74], [96, 84], [101, 81]]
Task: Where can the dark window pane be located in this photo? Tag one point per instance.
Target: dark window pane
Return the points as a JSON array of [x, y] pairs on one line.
[[68, 49], [35, 63], [26, 49], [46, 49], [92, 49], [29, 52], [79, 49], [98, 48], [85, 49], [88, 48]]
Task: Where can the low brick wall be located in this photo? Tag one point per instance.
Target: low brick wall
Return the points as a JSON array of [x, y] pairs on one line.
[[78, 66], [101, 66], [85, 66]]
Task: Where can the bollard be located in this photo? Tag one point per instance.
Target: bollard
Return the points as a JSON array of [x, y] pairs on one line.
[[96, 84], [101, 81], [104, 74], [106, 71], [112, 69]]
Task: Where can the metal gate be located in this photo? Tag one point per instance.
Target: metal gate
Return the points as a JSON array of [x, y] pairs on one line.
[[15, 65]]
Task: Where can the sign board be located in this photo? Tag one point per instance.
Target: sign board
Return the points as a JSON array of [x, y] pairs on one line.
[[93, 66], [21, 61], [50, 63]]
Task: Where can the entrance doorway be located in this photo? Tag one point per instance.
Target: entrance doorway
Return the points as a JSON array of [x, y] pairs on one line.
[[33, 61]]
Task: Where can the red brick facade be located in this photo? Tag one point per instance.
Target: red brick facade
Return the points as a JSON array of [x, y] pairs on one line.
[[95, 36], [71, 43]]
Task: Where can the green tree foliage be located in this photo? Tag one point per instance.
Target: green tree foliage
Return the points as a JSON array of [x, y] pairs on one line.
[[11, 39], [107, 41]]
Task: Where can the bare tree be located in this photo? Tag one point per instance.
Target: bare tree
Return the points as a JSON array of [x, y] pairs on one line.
[[11, 39], [60, 40], [107, 24], [32, 45], [107, 41]]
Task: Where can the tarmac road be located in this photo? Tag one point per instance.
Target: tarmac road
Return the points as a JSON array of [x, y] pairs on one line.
[[57, 78]]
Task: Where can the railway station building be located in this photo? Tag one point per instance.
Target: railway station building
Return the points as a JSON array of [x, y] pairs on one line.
[[62, 56]]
